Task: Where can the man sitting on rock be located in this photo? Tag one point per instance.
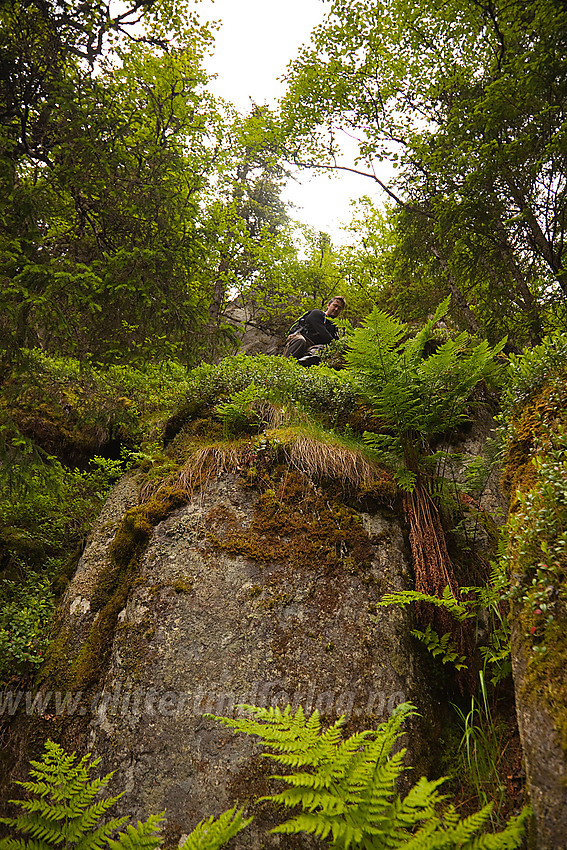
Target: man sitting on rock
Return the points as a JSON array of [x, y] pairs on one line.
[[312, 332]]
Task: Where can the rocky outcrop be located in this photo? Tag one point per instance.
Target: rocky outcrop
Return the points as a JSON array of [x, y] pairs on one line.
[[544, 757], [534, 473], [257, 331], [240, 596]]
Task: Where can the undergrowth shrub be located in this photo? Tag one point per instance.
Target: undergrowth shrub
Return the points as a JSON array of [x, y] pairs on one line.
[[108, 402], [25, 611], [43, 522], [530, 371], [535, 558], [279, 380], [47, 505]]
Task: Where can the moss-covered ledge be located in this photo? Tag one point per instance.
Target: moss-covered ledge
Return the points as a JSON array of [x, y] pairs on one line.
[[536, 563]]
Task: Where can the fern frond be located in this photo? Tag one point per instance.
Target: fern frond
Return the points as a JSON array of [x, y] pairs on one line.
[[414, 346], [440, 646], [95, 838], [62, 810], [86, 821], [144, 835], [39, 828], [18, 844], [213, 834], [346, 790], [460, 610]]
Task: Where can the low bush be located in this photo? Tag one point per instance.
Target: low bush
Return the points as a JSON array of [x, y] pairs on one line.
[[322, 392]]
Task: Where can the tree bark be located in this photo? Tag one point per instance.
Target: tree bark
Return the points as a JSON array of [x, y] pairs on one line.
[[540, 240]]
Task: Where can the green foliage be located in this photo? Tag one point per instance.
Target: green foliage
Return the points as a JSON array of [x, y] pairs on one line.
[[71, 407], [47, 505], [42, 523], [25, 612], [442, 647], [465, 100], [321, 392], [530, 371], [121, 160], [62, 809], [213, 834], [365, 264], [333, 354], [535, 558], [481, 748], [414, 396], [346, 788], [459, 609], [239, 413], [485, 603]]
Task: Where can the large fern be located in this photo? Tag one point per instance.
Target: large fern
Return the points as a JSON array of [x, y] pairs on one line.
[[416, 397], [345, 790], [62, 808]]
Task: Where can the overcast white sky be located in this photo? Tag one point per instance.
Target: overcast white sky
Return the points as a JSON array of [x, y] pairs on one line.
[[255, 43]]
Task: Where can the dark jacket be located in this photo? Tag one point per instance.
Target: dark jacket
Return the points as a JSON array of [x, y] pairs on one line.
[[318, 329]]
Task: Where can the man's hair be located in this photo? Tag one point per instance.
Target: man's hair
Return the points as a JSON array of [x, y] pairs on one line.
[[340, 298]]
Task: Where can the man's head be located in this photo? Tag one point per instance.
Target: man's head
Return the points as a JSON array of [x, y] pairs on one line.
[[335, 306]]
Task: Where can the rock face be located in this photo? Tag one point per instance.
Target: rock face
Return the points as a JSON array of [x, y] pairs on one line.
[[544, 758], [258, 334], [231, 604]]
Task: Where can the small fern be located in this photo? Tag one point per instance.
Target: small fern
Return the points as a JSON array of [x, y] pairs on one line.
[[441, 646], [459, 609], [346, 789], [62, 810], [239, 413]]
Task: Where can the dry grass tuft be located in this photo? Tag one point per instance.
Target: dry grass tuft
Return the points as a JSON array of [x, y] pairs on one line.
[[275, 416], [207, 463], [319, 459]]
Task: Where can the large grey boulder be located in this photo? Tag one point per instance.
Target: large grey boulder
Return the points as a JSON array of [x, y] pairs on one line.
[[229, 606]]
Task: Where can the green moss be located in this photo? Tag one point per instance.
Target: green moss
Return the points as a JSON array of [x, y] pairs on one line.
[[551, 687], [294, 524], [58, 662], [194, 434], [183, 585], [111, 592], [529, 433], [536, 555]]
